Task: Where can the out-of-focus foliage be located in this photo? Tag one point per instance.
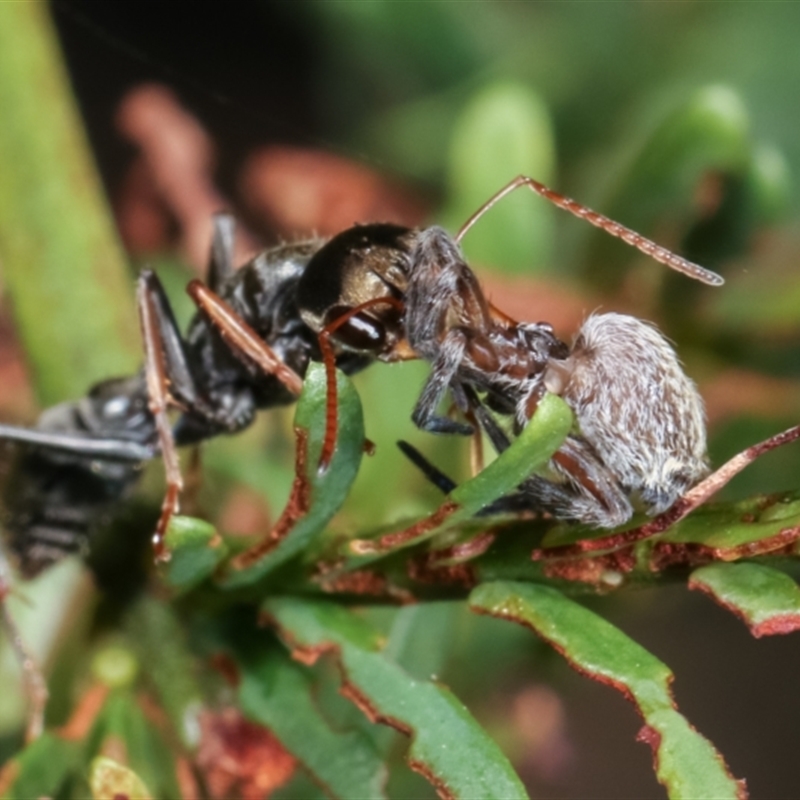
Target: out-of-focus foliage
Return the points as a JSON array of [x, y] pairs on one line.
[[678, 120]]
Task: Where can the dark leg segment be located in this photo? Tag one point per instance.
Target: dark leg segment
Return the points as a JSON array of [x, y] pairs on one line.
[[156, 346], [220, 263]]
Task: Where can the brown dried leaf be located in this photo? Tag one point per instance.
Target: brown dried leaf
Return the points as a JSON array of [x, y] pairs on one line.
[[302, 191], [239, 758]]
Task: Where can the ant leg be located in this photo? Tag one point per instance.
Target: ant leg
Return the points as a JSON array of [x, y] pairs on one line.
[[444, 369], [177, 368], [110, 449], [441, 481], [497, 436], [220, 263], [630, 237], [329, 360], [241, 338], [160, 339], [170, 383], [35, 684], [476, 455]]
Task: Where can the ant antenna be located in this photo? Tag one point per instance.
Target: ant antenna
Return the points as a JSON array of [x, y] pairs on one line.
[[646, 246]]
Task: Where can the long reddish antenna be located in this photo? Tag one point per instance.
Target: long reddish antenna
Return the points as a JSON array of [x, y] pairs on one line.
[[646, 246], [329, 359]]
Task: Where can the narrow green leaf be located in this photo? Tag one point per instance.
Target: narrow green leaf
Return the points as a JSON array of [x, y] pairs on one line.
[[62, 263], [530, 451], [160, 639], [448, 747], [196, 550], [505, 130], [737, 530], [767, 600], [686, 763], [41, 769], [726, 530], [277, 694], [327, 491], [122, 721]]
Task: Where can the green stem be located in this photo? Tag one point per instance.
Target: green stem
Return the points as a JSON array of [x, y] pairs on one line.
[[62, 263]]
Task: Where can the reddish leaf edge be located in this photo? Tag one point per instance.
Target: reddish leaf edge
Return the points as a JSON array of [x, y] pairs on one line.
[[646, 734], [777, 625], [309, 654]]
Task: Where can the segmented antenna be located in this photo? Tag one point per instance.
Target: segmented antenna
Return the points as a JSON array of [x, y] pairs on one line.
[[646, 246]]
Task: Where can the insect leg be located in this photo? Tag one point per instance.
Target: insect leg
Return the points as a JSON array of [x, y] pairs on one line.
[[35, 684], [497, 436], [442, 482], [589, 494], [241, 338], [443, 370], [630, 237], [220, 263], [329, 359], [110, 449], [161, 345]]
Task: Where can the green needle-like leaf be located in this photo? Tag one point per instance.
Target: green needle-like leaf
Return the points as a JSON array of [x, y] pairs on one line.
[[326, 491], [448, 747], [277, 694], [686, 763], [62, 263], [40, 770], [766, 599], [196, 549], [530, 451]]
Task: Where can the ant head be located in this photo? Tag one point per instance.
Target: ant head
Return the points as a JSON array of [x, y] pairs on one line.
[[353, 287], [116, 406]]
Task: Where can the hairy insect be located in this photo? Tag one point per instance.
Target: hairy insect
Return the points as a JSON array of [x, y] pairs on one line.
[[391, 292], [640, 441]]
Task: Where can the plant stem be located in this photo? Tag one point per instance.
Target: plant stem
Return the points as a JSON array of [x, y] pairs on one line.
[[63, 266]]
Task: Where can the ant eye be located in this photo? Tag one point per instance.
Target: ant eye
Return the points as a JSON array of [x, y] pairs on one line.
[[360, 332]]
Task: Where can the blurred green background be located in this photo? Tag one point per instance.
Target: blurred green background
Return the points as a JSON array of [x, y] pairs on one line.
[[678, 119]]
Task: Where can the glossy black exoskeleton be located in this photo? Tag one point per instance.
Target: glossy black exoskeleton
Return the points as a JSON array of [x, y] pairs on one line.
[[82, 457]]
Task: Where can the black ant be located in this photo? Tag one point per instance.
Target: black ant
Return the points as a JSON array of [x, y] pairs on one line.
[[83, 456]]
